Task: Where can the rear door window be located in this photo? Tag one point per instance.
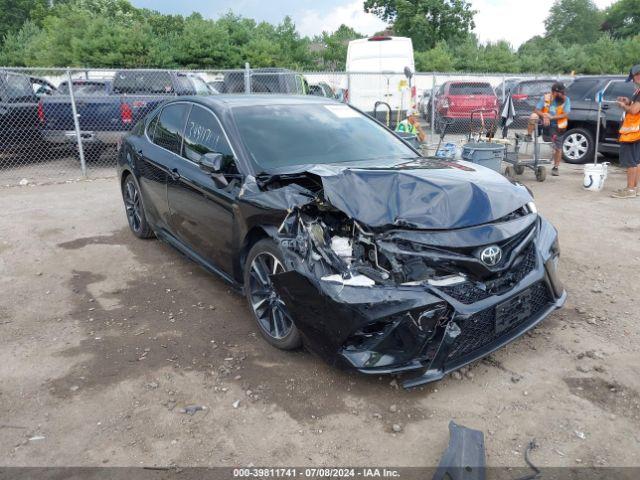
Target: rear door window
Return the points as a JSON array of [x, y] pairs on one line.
[[470, 89], [170, 127], [203, 134]]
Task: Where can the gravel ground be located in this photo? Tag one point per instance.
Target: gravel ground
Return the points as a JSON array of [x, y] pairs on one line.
[[106, 339]]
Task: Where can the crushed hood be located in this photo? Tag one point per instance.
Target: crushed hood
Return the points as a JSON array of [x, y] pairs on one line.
[[425, 193]]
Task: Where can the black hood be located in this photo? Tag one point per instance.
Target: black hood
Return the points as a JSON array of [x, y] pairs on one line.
[[429, 194], [425, 194]]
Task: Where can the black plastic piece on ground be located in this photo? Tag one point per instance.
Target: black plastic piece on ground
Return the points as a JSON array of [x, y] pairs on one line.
[[464, 458]]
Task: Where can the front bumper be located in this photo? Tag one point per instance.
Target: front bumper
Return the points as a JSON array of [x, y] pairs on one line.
[[424, 330]]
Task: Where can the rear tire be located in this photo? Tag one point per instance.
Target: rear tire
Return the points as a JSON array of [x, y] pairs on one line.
[[510, 173], [519, 169], [578, 145], [269, 310], [134, 209]]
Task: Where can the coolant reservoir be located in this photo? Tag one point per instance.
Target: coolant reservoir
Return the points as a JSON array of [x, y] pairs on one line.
[[342, 247]]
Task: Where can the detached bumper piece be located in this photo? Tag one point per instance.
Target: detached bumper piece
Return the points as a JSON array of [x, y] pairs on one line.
[[464, 458]]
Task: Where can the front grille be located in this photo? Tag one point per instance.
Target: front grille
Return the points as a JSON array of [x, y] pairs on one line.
[[479, 330], [470, 293]]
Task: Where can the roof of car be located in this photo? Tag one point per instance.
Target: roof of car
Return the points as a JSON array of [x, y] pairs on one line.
[[234, 100]]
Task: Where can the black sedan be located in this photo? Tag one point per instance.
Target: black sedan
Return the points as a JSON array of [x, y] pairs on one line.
[[340, 234]]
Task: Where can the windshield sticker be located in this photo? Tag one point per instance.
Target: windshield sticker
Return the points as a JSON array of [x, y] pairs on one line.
[[342, 111]]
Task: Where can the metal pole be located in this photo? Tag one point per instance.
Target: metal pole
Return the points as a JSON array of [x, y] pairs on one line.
[[504, 79], [349, 88], [76, 124], [595, 151], [433, 103], [247, 78]]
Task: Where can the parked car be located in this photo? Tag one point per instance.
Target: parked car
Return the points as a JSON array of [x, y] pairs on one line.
[[425, 105], [327, 221], [462, 100], [525, 95], [19, 127], [218, 86], [579, 141], [321, 89], [503, 88], [42, 87], [266, 80], [107, 109]]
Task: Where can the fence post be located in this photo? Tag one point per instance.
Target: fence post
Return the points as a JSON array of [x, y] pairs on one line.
[[433, 103], [247, 78], [76, 124], [349, 88], [504, 79]]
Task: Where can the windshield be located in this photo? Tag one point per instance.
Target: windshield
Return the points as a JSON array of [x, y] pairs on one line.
[[534, 88], [470, 89], [285, 135], [143, 82]]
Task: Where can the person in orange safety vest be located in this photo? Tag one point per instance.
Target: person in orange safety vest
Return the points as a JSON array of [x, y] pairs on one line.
[[553, 109], [630, 137]]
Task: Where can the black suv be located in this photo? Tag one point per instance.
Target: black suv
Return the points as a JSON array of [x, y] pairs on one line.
[[579, 141]]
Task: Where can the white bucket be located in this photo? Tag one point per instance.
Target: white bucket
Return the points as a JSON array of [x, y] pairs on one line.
[[594, 176]]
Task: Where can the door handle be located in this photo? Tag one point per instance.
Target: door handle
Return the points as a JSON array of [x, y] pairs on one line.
[[175, 175], [605, 106]]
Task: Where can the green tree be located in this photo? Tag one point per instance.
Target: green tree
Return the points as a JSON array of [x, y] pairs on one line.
[[622, 19], [438, 59], [334, 47], [13, 13], [425, 21], [574, 21]]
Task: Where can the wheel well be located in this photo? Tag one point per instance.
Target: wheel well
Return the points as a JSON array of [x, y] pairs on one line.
[[252, 237], [583, 125], [123, 177]]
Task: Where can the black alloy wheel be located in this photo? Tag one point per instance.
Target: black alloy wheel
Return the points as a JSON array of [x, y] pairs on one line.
[[134, 209], [269, 310]]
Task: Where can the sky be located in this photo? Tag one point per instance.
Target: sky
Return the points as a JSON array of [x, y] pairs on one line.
[[513, 20]]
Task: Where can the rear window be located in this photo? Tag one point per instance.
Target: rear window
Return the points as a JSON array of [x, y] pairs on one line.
[[142, 83], [83, 88], [15, 88], [470, 89], [534, 88]]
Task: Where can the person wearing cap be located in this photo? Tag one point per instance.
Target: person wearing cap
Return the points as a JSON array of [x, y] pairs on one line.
[[411, 125], [552, 110], [630, 137]]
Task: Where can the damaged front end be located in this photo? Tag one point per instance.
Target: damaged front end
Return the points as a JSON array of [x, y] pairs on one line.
[[399, 299]]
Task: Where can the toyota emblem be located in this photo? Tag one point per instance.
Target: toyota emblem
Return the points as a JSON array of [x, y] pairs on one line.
[[491, 255]]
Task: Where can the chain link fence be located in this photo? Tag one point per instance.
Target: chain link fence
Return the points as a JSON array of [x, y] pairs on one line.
[[62, 124]]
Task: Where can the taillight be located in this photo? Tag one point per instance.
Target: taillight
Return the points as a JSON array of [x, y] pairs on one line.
[[41, 112], [125, 113], [520, 97]]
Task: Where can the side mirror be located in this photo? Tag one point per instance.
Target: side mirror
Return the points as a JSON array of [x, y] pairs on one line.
[[212, 162], [408, 73]]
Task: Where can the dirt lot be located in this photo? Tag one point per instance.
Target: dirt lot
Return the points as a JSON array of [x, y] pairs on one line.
[[105, 338]]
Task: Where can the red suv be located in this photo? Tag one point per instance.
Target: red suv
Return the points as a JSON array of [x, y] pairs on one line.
[[456, 100]]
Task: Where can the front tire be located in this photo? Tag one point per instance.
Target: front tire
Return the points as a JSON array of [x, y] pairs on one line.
[[269, 310], [134, 209], [578, 146]]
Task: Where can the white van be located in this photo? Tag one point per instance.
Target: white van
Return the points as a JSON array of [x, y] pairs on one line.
[[386, 57]]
